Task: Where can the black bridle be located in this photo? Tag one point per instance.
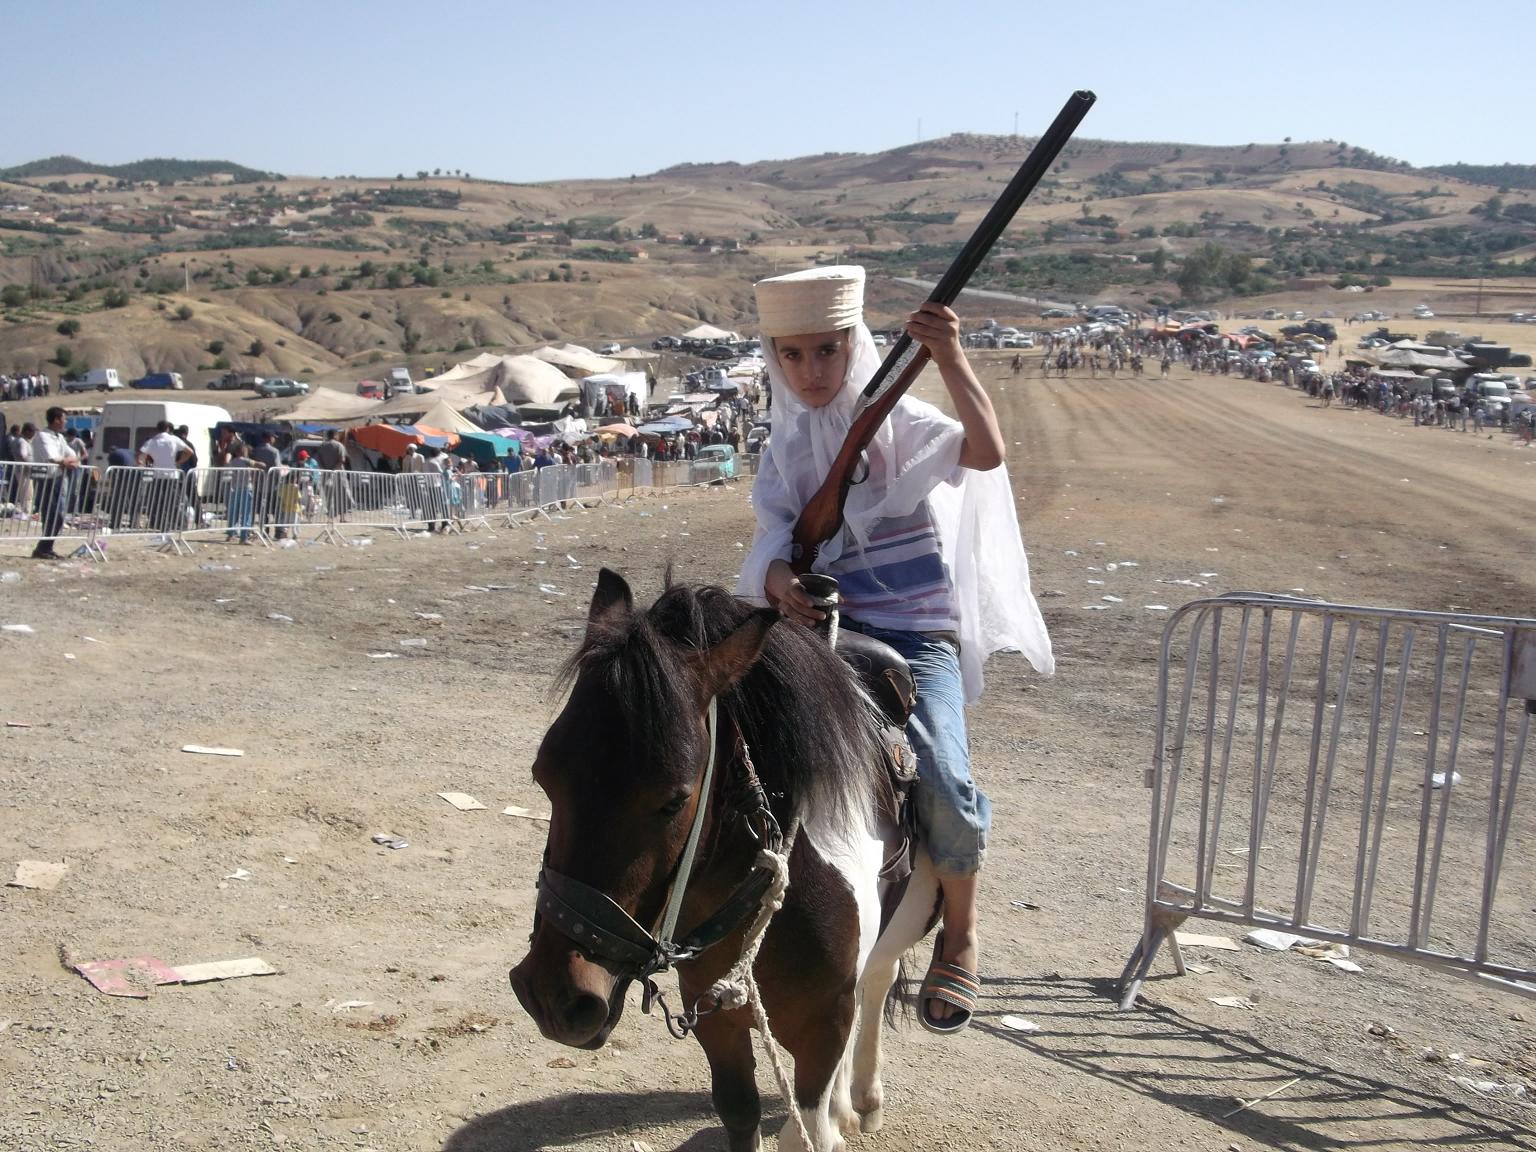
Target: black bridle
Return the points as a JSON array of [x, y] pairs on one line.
[[607, 934]]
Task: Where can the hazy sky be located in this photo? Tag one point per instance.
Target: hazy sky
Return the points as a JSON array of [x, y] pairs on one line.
[[518, 91]]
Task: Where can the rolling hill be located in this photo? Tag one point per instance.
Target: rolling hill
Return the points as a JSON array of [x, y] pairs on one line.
[[312, 275]]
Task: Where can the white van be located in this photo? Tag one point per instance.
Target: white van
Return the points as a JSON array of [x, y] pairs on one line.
[[96, 380], [400, 382], [128, 423]]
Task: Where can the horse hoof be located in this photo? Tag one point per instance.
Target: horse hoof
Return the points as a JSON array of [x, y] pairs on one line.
[[869, 1122]]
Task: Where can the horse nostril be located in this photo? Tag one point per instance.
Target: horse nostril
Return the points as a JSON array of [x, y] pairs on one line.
[[585, 1014]]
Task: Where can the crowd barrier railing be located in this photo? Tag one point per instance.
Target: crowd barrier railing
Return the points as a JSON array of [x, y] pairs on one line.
[[47, 502], [175, 508], [1347, 775]]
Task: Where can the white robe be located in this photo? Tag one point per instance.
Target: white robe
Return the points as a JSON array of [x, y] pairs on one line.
[[919, 447]]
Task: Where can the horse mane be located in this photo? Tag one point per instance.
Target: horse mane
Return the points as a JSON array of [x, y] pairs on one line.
[[809, 727]]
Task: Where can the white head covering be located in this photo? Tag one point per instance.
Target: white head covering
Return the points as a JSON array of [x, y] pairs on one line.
[[815, 300], [914, 457]]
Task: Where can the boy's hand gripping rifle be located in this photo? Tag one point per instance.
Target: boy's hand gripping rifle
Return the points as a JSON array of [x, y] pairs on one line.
[[822, 517]]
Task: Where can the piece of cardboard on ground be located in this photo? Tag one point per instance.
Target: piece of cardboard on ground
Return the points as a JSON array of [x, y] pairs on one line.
[[43, 875], [463, 801], [524, 813], [132, 976], [1196, 940]]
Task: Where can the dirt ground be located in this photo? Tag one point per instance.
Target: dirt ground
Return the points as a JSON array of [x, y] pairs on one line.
[[134, 659]]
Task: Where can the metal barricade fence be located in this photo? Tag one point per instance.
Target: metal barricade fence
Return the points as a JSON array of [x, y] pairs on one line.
[[47, 502], [426, 497], [1348, 775], [153, 502]]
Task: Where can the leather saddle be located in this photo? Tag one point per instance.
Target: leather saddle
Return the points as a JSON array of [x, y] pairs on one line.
[[887, 678]]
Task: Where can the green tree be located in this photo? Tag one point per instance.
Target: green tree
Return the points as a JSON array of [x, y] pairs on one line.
[[13, 295], [68, 327], [115, 298], [184, 312], [257, 348], [215, 347], [63, 355], [393, 278]]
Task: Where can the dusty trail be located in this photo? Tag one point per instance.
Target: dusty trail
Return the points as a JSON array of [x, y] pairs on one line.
[[339, 746]]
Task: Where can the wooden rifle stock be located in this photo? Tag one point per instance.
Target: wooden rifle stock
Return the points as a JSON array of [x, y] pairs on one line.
[[822, 517]]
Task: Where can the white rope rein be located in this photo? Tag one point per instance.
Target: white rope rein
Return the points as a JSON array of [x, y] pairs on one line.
[[738, 987]]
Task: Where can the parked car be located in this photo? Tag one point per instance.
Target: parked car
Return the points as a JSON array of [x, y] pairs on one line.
[[721, 454], [718, 352], [281, 386], [158, 380], [609, 350], [1056, 314], [96, 380], [235, 381], [662, 343], [880, 340], [371, 389]]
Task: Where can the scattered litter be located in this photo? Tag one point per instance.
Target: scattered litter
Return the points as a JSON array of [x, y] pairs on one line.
[[1155, 607], [1195, 940], [1019, 1024], [17, 724], [524, 813], [429, 615], [360, 542], [217, 568], [224, 600], [1128, 564], [1273, 941], [1093, 581], [463, 801], [325, 567], [576, 564], [1112, 599], [1437, 780], [1110, 567], [1244, 1105], [90, 640], [1025, 904], [1182, 583], [238, 874], [475, 588], [413, 642], [1209, 575], [1513, 1090], [20, 629], [42, 875], [201, 750], [550, 590], [1232, 1002], [131, 976], [348, 1005], [1199, 969], [383, 655], [280, 618], [1070, 552], [390, 841], [15, 577], [1095, 607]]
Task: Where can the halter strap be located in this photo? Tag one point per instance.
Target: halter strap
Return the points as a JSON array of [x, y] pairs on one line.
[[685, 865]]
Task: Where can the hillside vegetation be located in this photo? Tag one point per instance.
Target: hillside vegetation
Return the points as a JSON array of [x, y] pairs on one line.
[[311, 275]]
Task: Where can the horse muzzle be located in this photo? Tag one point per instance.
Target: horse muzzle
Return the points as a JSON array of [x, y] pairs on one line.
[[573, 1001]]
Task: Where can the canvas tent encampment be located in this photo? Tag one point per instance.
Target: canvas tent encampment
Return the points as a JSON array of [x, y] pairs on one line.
[[710, 332], [443, 415], [328, 404], [574, 360]]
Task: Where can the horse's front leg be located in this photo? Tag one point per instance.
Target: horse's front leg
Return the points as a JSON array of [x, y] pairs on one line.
[[727, 1041]]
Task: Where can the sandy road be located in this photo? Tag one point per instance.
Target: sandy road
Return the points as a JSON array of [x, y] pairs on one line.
[[339, 745]]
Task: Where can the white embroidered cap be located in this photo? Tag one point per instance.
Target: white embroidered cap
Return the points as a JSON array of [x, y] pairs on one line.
[[815, 300]]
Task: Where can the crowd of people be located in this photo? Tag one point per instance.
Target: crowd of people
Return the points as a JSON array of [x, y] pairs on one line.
[[24, 386]]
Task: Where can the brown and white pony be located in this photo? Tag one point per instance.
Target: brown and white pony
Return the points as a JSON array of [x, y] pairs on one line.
[[622, 766]]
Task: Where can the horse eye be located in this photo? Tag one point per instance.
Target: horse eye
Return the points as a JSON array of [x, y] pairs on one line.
[[673, 807]]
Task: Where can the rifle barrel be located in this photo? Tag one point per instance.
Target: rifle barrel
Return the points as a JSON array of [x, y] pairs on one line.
[[998, 217]]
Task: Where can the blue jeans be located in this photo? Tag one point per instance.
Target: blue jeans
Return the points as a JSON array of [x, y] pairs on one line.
[[954, 815]]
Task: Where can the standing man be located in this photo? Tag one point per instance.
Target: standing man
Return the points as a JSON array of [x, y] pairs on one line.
[[49, 446], [268, 459], [165, 452]]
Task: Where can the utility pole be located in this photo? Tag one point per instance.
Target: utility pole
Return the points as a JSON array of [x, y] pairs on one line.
[[186, 276], [919, 129], [1479, 296], [1015, 125]]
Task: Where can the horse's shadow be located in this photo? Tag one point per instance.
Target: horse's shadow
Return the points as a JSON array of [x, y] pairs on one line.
[[560, 1121]]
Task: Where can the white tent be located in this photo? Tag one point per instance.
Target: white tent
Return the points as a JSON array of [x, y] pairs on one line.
[[710, 332], [529, 380], [636, 354], [575, 360], [443, 415], [328, 404]]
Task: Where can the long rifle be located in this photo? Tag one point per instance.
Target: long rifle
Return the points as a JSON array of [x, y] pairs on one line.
[[822, 517]]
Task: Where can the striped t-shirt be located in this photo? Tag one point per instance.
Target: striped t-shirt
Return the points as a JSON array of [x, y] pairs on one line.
[[900, 580]]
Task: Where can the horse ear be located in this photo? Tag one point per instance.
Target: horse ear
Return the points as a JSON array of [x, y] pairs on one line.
[[612, 601], [728, 661]]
